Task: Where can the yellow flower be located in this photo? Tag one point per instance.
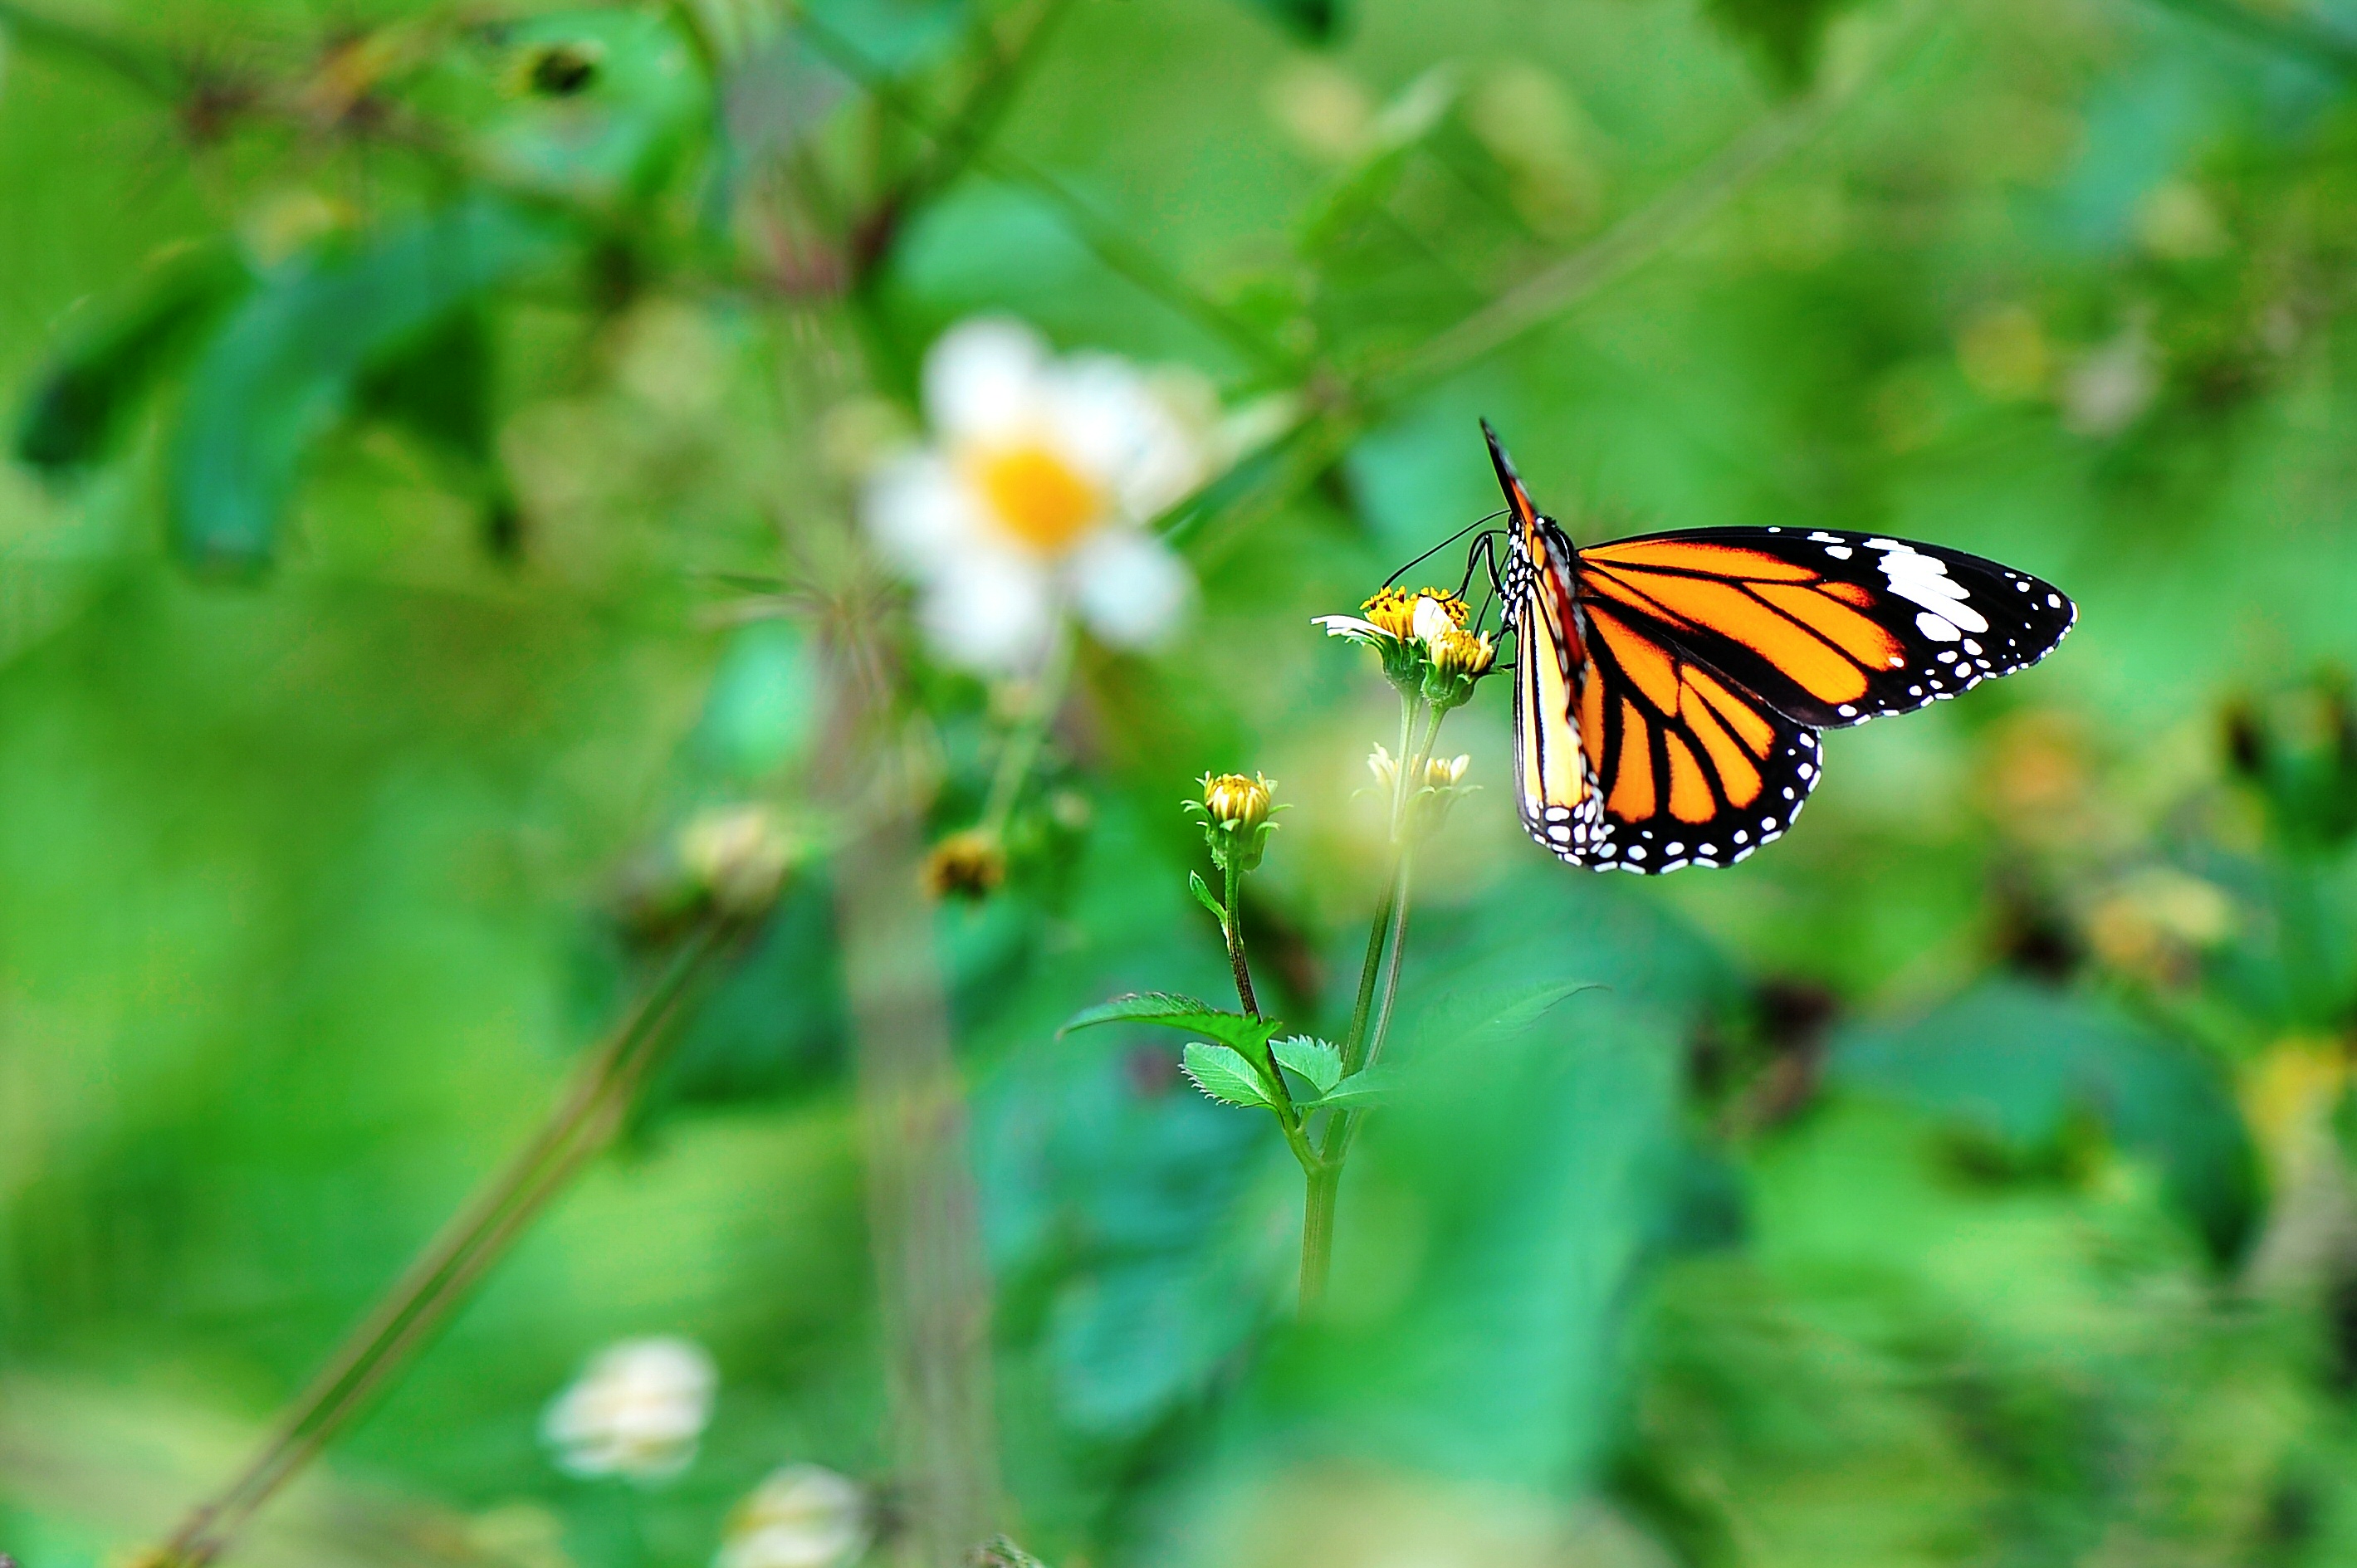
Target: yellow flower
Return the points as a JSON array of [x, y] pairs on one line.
[[1398, 612], [1236, 802], [1468, 653], [970, 865]]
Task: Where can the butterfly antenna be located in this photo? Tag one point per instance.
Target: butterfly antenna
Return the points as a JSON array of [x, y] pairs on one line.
[[1444, 544]]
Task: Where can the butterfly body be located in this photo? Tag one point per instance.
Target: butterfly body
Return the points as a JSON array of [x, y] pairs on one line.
[[1668, 688]]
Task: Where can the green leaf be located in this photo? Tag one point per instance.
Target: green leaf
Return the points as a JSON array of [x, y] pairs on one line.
[[1364, 1089], [2020, 1065], [439, 389], [83, 398], [1314, 1059], [1223, 1074], [1203, 895], [1176, 1012], [294, 358]]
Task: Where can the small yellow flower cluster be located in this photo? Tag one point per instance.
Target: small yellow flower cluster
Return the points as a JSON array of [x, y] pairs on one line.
[[1423, 640], [1430, 792]]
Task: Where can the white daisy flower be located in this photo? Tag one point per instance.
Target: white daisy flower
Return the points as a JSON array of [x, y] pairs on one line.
[[637, 1411], [802, 1517], [1031, 501]]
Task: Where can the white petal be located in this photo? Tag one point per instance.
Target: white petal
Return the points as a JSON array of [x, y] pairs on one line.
[[1432, 623], [986, 381], [921, 514], [1351, 627], [992, 614], [1115, 425], [1132, 590]]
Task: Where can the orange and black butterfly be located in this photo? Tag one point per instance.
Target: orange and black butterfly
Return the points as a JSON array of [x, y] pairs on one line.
[[1668, 688]]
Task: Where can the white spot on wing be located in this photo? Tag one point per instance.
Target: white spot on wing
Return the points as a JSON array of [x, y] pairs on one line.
[[1938, 628]]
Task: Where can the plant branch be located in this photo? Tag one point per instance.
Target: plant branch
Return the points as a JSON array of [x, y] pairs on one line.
[[1031, 733], [1633, 241], [1112, 247], [592, 1109]]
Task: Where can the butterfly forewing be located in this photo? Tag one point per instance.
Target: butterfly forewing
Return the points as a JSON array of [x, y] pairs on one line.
[[1829, 628]]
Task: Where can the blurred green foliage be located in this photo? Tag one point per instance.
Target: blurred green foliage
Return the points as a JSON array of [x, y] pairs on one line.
[[431, 421]]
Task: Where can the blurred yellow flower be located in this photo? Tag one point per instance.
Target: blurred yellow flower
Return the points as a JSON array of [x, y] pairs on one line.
[[1031, 498]]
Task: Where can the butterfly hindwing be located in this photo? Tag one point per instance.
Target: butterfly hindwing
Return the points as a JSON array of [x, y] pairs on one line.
[[1692, 769], [1828, 628]]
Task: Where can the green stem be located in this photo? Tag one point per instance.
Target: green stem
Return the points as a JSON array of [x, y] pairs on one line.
[[1022, 745], [1318, 1235], [586, 1118], [1232, 925]]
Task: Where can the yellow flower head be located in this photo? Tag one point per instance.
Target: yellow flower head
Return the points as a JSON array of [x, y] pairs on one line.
[[1236, 801], [1460, 652], [1394, 609]]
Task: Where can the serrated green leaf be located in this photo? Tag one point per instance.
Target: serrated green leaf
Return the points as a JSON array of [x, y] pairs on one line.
[[1176, 1012], [1362, 1090], [1313, 1058], [293, 359], [1223, 1074], [1203, 895]]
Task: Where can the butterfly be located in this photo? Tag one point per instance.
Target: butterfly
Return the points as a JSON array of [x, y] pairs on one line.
[[1668, 688]]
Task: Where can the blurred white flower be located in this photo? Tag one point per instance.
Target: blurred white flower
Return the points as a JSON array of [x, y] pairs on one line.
[[1032, 499], [802, 1517], [636, 1411], [2111, 384]]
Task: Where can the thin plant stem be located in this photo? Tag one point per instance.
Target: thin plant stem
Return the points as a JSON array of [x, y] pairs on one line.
[[584, 1119], [1232, 925], [1318, 1235], [1023, 745]]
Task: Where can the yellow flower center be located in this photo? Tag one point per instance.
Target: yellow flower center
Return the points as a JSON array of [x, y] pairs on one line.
[[1394, 609], [1037, 496]]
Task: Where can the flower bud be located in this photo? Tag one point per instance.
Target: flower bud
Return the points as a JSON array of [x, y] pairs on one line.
[[802, 1517], [637, 1411], [968, 864], [1236, 801], [1236, 812], [1468, 653], [1453, 659], [1445, 772], [737, 855]]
